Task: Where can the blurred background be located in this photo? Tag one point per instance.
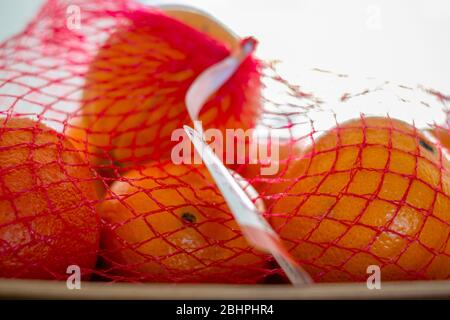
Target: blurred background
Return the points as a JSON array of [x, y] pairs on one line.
[[401, 40]]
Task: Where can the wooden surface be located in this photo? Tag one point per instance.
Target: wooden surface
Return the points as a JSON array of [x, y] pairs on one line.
[[35, 289]]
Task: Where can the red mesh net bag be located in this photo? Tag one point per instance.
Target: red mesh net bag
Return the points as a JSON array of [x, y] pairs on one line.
[[87, 179], [363, 180]]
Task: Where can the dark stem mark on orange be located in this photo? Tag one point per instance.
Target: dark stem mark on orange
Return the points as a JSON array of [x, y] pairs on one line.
[[426, 145], [189, 217]]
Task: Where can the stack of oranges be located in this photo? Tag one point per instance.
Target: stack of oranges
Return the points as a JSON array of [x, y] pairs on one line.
[[105, 194]]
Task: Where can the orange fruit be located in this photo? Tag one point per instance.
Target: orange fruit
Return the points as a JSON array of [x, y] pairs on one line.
[[170, 223], [47, 215], [136, 85], [372, 191]]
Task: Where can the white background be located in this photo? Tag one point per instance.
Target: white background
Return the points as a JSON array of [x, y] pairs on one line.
[[402, 40]]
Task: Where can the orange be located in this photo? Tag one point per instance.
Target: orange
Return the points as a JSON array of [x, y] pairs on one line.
[[47, 215], [170, 223], [136, 85], [371, 191]]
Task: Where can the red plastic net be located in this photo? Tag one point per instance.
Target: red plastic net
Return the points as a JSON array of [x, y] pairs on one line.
[[87, 179]]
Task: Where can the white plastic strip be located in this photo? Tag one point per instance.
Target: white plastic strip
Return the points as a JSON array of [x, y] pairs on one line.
[[253, 225], [214, 77]]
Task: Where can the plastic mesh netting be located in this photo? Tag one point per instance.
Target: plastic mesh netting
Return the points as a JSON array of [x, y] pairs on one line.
[[87, 179]]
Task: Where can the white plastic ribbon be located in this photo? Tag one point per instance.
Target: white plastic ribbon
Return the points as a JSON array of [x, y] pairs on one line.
[[251, 221]]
